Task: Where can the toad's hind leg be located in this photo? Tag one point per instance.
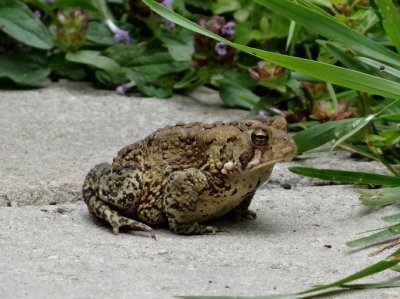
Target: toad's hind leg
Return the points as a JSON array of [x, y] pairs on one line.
[[105, 192]]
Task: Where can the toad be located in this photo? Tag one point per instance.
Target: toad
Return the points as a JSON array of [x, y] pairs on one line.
[[185, 175]]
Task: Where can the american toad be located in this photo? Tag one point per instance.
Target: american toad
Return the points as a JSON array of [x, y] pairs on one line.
[[187, 174]]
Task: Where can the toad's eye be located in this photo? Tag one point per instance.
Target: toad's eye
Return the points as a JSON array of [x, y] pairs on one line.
[[259, 137]]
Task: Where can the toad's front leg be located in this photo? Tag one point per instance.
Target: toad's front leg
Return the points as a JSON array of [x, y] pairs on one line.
[[181, 202], [242, 210]]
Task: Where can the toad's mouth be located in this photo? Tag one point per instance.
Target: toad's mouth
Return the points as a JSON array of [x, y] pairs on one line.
[[258, 166]]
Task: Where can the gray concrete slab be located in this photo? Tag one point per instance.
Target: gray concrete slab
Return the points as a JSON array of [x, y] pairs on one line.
[[52, 248]]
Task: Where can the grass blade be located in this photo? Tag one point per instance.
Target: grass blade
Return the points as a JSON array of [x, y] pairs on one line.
[[387, 234], [391, 20], [380, 66], [360, 124], [320, 134], [347, 176], [379, 285], [346, 59], [380, 266], [395, 117], [392, 218], [292, 30], [329, 27], [391, 261], [380, 197], [362, 150], [330, 73]]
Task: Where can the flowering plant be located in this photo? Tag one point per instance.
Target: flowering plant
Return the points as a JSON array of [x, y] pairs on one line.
[[125, 46]]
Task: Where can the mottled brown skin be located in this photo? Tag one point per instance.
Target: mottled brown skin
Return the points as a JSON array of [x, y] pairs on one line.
[[188, 174]]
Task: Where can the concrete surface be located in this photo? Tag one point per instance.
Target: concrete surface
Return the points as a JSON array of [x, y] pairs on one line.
[[52, 248]]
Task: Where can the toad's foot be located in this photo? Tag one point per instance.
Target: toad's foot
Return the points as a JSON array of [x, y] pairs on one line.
[[242, 210], [194, 229], [121, 221], [240, 214], [116, 220], [249, 214]]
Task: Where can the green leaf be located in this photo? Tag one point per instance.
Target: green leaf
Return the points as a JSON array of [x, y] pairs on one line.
[[82, 4], [237, 96], [152, 72], [18, 21], [380, 197], [194, 78], [320, 134], [224, 6], [93, 58], [146, 88], [337, 75], [243, 33], [180, 46], [386, 234], [44, 7], [329, 27], [147, 67], [23, 68], [391, 20], [63, 68], [151, 64], [114, 73], [152, 91], [347, 176], [99, 33], [233, 77], [131, 55]]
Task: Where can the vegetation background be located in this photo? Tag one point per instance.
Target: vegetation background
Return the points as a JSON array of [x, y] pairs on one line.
[[331, 67]]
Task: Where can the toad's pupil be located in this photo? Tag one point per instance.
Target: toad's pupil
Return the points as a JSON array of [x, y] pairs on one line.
[[260, 138]]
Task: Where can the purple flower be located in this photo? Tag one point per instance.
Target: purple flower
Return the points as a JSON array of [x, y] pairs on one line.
[[120, 36], [220, 48], [168, 24], [122, 89], [38, 14], [167, 3], [228, 28], [50, 1]]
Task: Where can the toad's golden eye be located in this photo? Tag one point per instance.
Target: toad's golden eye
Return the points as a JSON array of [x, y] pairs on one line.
[[259, 137]]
